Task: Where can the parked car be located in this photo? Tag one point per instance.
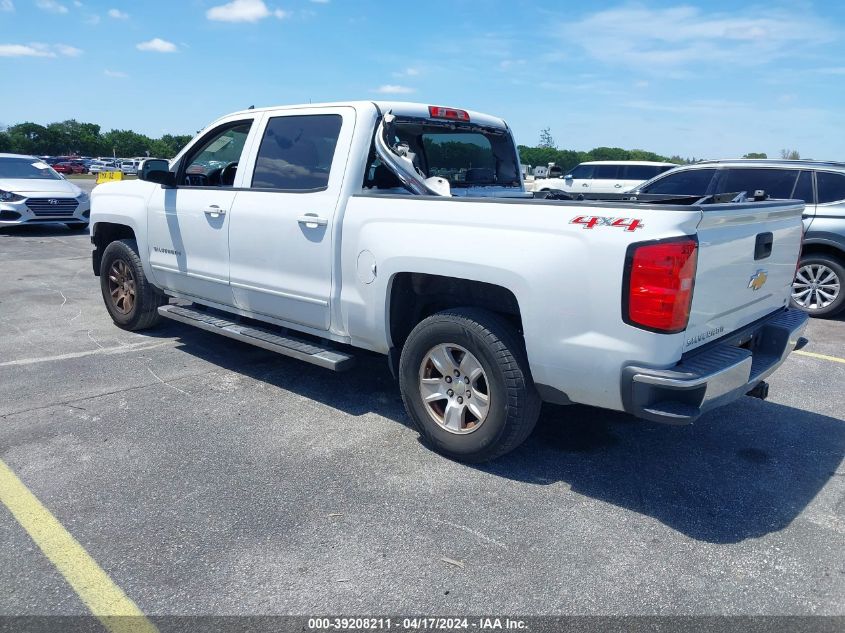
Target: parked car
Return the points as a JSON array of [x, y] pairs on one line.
[[129, 167], [98, 166], [602, 176], [32, 192], [69, 168], [818, 286], [324, 225]]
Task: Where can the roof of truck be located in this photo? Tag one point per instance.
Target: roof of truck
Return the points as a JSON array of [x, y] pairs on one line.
[[400, 108]]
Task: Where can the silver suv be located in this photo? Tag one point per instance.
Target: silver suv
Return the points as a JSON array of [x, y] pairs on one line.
[[818, 286]]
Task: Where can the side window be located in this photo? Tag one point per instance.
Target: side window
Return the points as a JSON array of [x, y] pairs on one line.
[[296, 152], [692, 182], [804, 188], [582, 172], [606, 172], [831, 186], [214, 163], [640, 172], [777, 183]]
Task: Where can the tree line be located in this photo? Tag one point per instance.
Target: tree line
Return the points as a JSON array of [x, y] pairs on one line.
[[74, 138]]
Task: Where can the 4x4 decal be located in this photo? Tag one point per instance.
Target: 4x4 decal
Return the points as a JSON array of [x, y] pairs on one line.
[[592, 221]]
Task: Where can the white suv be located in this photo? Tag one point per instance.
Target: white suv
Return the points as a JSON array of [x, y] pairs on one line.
[[604, 176]]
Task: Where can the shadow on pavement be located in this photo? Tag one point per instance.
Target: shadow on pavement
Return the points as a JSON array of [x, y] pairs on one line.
[[740, 472], [52, 229]]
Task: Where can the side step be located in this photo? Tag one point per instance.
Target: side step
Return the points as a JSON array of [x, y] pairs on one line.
[[261, 337]]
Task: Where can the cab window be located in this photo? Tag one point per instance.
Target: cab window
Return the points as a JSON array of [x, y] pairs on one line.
[[214, 163], [296, 152], [692, 182]]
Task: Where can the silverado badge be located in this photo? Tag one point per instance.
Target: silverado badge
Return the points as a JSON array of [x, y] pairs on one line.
[[758, 280]]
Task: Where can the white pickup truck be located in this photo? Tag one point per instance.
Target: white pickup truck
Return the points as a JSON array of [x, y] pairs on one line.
[[404, 229]]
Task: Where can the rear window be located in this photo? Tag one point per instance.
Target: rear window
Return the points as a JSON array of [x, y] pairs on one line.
[[692, 182], [468, 158], [296, 152], [607, 172], [642, 172], [26, 169], [831, 186], [777, 183]]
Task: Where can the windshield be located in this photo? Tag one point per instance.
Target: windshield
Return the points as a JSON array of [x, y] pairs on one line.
[[26, 169], [466, 156]]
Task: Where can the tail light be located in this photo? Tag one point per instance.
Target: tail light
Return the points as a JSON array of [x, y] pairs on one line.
[[658, 284], [438, 112]]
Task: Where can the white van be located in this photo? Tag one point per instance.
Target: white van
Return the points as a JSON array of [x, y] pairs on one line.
[[605, 176]]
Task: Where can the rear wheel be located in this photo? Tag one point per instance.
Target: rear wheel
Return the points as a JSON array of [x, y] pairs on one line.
[[130, 299], [818, 286], [465, 383]]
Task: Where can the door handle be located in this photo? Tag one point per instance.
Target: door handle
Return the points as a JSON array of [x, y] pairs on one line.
[[312, 220], [585, 184], [617, 186], [213, 211]]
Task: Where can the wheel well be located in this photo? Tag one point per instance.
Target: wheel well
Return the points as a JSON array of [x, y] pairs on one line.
[[415, 296], [823, 249], [105, 233]]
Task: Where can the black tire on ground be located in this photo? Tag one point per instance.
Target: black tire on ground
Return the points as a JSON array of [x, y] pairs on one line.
[[837, 266], [514, 404], [77, 226], [142, 312]]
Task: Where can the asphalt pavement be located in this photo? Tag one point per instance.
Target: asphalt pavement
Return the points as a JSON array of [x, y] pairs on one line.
[[208, 477]]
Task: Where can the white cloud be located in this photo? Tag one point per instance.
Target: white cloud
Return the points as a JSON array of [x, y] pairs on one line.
[[7, 5], [115, 74], [67, 51], [36, 49], [117, 14], [243, 11], [393, 89], [19, 50], [407, 72], [157, 45], [675, 37], [51, 5]]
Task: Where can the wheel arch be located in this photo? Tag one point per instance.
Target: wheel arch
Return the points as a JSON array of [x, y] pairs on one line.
[[103, 234]]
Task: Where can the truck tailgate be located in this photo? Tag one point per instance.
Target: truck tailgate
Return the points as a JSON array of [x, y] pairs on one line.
[[746, 263]]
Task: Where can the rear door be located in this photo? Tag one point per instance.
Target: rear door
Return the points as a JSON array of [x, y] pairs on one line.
[[283, 220], [783, 183], [607, 179], [746, 262], [684, 182]]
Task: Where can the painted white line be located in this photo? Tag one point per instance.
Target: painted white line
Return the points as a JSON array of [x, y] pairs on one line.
[[102, 351]]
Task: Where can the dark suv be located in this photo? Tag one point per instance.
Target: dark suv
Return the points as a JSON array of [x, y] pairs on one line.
[[818, 286]]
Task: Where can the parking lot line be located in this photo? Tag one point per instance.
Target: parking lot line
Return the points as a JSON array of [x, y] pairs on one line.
[[834, 359], [104, 599]]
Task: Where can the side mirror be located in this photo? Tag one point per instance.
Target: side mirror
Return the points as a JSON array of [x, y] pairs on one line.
[[568, 177], [157, 170]]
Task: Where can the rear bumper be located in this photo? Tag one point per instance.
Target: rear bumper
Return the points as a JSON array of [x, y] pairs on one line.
[[715, 374]]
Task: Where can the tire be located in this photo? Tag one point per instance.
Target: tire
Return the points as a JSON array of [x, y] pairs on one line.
[[120, 273], [512, 402], [819, 271], [77, 226]]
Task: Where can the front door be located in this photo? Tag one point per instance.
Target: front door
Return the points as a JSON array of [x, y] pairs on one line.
[[283, 219], [188, 225]]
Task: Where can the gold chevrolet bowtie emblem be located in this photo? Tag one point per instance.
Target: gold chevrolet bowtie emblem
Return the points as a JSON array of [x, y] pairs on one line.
[[758, 280]]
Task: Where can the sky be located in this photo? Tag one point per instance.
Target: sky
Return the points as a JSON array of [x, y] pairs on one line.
[[697, 78]]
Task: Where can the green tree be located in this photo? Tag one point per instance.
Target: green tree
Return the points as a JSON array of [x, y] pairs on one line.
[[126, 143], [790, 154], [755, 155], [546, 138]]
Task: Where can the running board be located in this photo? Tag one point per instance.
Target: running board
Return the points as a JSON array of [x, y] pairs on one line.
[[260, 337]]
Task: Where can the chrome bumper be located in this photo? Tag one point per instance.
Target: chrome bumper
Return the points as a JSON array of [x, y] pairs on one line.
[[715, 374]]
